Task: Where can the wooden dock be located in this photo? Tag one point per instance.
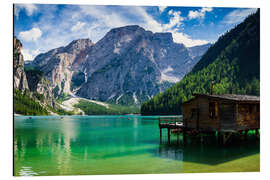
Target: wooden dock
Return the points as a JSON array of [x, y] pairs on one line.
[[174, 124], [171, 123]]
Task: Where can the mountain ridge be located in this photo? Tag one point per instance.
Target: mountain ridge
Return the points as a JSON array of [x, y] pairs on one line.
[[127, 66]]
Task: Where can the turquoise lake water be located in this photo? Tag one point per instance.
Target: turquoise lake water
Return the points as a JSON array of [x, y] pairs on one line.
[[85, 145]]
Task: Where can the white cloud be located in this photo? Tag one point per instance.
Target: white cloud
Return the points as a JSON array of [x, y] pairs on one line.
[[173, 26], [36, 52], [29, 8], [175, 20], [199, 14], [27, 55], [78, 26], [102, 20], [30, 55], [161, 9], [30, 35], [180, 37], [104, 15], [237, 16], [147, 21], [206, 9], [167, 77]]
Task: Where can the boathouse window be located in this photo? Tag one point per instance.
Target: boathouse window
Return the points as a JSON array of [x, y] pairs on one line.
[[213, 109]]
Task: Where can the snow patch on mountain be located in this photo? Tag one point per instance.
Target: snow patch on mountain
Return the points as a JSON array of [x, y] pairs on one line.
[[168, 77], [118, 98]]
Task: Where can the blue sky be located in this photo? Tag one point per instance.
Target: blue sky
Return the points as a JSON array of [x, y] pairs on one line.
[[42, 27]]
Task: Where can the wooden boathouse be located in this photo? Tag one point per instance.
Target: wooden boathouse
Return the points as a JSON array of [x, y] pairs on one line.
[[210, 114]]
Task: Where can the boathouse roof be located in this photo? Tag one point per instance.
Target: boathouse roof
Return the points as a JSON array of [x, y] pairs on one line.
[[231, 97]]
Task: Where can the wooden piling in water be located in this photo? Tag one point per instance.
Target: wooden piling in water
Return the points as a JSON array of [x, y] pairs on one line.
[[219, 137], [178, 133], [201, 138], [245, 135], [257, 133], [169, 133], [160, 131], [184, 137]]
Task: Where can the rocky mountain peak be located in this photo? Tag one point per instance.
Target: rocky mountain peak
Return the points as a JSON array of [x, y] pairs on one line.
[[164, 38], [126, 29], [127, 33], [79, 44]]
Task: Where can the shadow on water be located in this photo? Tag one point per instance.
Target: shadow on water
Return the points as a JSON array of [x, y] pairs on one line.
[[210, 154]]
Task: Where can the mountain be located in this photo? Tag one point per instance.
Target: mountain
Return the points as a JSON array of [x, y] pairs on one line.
[[24, 100], [59, 64], [32, 90], [130, 65], [127, 66], [232, 63]]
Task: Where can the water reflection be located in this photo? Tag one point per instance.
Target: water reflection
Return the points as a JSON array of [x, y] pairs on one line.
[[68, 132], [36, 137], [27, 171], [170, 152]]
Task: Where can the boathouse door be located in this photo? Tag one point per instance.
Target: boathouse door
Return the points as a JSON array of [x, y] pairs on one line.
[[227, 116]]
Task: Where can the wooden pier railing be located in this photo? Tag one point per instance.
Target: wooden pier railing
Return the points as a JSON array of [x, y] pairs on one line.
[[170, 121]]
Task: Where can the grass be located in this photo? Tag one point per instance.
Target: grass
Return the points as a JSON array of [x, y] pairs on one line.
[[95, 109], [246, 164]]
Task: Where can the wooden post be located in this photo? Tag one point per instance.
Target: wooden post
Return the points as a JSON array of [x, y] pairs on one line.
[[219, 137], [178, 132], [257, 133], [245, 135], [169, 133], [201, 138], [224, 138], [241, 134], [160, 130], [184, 137]]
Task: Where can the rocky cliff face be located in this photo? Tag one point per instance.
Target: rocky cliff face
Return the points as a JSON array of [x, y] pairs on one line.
[[127, 66], [30, 79], [20, 81], [60, 64], [40, 85], [130, 65]]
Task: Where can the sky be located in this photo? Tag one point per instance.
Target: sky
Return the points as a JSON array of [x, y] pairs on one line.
[[41, 27]]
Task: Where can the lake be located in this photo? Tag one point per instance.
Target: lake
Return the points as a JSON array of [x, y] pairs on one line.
[[86, 145]]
